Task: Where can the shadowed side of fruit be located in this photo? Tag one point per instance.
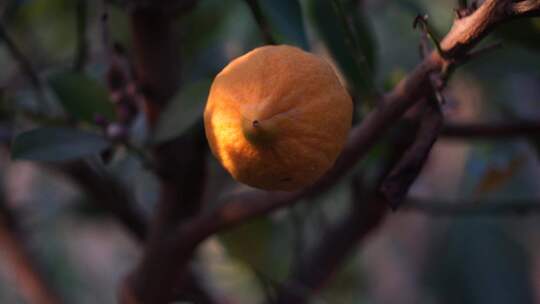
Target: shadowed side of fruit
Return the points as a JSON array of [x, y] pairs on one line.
[[277, 118]]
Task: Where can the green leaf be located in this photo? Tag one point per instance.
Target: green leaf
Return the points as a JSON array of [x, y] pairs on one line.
[[183, 111], [286, 21], [52, 24], [344, 30], [260, 244], [57, 144], [81, 96]]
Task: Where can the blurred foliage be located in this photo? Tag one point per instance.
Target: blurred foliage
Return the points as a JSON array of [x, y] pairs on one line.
[[183, 111], [57, 144], [521, 32], [82, 97], [262, 245], [373, 46], [478, 262], [285, 18], [346, 34]]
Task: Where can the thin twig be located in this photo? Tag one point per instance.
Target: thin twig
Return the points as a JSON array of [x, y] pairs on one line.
[[352, 41], [262, 22], [81, 53], [395, 186], [105, 31], [24, 64], [422, 20]]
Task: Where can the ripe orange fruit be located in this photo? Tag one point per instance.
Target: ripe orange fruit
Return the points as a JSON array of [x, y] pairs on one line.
[[277, 118]]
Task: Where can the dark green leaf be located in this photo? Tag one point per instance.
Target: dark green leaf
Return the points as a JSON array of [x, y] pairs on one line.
[[479, 262], [286, 22], [183, 111], [346, 34], [522, 32], [81, 96], [260, 244], [57, 144], [51, 24]]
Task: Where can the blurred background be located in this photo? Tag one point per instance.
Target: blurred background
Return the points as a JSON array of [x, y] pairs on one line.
[[416, 256]]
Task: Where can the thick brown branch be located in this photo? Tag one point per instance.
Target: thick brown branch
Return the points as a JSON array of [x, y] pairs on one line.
[[180, 164], [396, 184], [157, 55], [529, 8]]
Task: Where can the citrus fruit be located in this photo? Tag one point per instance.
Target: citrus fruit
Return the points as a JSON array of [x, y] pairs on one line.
[[277, 118]]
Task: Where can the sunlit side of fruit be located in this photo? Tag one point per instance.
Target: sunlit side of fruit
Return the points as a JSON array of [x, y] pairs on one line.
[[277, 118]]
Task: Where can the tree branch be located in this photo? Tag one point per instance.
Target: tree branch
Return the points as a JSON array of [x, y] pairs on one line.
[[23, 62], [322, 261], [180, 163], [396, 184], [529, 8], [175, 248], [463, 36]]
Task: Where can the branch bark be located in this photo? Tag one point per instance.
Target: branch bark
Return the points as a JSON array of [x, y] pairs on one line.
[[23, 62], [180, 163]]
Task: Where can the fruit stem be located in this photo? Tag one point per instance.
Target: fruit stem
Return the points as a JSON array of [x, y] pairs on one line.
[[255, 132]]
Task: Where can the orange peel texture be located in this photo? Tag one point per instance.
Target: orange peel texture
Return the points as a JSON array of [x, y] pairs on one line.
[[277, 118]]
